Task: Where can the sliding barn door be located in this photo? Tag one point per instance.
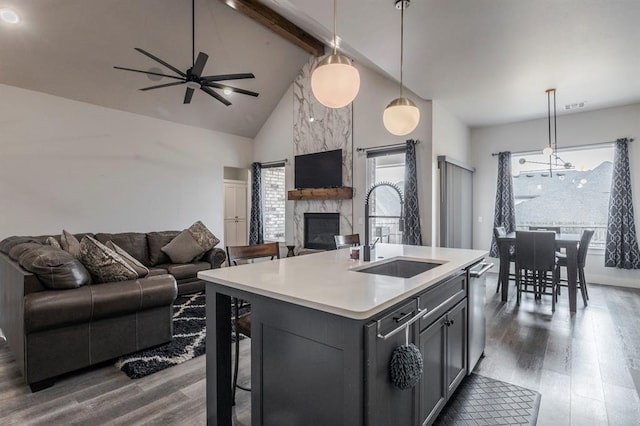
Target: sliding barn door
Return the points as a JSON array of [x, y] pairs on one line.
[[456, 203]]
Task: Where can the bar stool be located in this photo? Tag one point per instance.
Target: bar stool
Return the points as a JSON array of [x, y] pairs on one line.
[[585, 239], [535, 259]]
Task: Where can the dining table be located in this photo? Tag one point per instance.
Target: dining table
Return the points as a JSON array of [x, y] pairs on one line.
[[569, 242]]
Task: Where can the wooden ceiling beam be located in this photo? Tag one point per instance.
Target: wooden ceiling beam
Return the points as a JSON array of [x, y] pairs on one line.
[[278, 24]]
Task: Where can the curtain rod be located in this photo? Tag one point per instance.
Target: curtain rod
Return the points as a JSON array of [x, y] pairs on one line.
[[374, 148], [275, 163], [590, 145]]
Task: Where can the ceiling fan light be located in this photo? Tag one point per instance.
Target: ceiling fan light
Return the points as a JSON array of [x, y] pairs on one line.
[[547, 151], [193, 85], [401, 116], [335, 82]]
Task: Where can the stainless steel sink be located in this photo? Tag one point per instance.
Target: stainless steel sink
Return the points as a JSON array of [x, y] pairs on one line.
[[400, 268]]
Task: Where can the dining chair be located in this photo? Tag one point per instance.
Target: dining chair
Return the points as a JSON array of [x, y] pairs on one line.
[[242, 323], [585, 239], [535, 259], [555, 229], [500, 231], [347, 240]]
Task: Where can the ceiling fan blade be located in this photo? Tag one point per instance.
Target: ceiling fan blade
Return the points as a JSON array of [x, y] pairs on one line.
[[171, 67], [200, 63], [215, 95], [162, 85], [234, 89], [188, 95], [148, 72], [223, 77]]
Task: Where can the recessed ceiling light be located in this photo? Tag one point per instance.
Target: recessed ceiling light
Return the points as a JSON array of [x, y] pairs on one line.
[[227, 91], [9, 16]]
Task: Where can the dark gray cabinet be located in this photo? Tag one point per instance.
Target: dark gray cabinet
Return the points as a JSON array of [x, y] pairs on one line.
[[433, 386], [456, 331]]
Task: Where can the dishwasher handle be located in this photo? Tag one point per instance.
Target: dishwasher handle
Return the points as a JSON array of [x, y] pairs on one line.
[[478, 274]]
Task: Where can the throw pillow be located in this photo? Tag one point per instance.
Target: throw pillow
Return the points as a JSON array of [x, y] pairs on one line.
[[55, 268], [51, 241], [104, 264], [70, 243], [203, 236], [140, 269], [183, 248], [18, 249], [190, 243]]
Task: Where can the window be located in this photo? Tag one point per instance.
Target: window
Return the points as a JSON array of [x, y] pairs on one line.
[[384, 205], [573, 199], [273, 196]]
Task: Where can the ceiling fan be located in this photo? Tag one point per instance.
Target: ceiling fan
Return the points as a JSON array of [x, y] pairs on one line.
[[192, 77]]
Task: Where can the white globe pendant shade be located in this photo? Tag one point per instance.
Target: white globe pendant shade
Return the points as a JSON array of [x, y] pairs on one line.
[[335, 81], [547, 150], [401, 116]]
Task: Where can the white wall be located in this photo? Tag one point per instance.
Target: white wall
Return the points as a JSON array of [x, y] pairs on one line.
[[573, 129], [86, 168], [451, 137], [376, 91], [274, 142]]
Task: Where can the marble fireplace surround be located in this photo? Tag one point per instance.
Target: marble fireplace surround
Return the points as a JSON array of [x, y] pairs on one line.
[[330, 129]]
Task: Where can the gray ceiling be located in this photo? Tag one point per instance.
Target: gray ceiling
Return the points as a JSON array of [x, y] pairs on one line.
[[487, 61], [68, 48], [490, 61]]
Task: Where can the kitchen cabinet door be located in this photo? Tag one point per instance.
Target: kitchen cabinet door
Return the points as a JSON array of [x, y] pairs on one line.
[[456, 346], [433, 389]]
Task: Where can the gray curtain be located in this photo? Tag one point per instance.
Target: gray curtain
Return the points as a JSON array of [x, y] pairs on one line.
[[622, 244], [256, 228], [504, 214], [411, 234]]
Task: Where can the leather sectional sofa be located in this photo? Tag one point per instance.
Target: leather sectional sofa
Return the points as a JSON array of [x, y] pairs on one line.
[[52, 332]]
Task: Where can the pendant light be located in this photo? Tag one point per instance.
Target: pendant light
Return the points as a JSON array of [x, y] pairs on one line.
[[551, 148], [335, 81], [401, 116]]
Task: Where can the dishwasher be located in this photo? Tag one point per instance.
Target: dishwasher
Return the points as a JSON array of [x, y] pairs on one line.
[[477, 319]]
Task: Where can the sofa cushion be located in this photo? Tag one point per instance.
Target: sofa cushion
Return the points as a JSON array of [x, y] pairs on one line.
[[70, 243], [141, 270], [189, 270], [18, 249], [8, 243], [134, 243], [55, 268], [104, 264], [155, 271], [52, 309], [157, 240]]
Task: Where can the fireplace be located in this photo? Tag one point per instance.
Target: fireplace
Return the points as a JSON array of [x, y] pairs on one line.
[[319, 230]]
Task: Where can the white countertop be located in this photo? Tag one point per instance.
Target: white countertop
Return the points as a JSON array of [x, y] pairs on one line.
[[328, 281]]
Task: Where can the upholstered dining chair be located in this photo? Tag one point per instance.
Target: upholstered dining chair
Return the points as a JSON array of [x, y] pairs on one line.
[[535, 260], [500, 231], [242, 323], [347, 240], [585, 239]]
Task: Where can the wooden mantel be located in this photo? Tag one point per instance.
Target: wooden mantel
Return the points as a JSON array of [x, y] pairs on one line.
[[342, 193]]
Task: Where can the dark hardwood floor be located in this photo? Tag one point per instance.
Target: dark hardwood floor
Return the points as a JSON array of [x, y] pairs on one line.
[[586, 366]]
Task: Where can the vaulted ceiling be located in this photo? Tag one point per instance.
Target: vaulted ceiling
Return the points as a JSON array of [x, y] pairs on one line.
[[487, 61]]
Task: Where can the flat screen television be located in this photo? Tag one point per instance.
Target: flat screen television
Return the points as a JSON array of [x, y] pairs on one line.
[[319, 170]]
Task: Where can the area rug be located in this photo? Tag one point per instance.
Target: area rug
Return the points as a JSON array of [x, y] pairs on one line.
[[189, 333], [480, 400]]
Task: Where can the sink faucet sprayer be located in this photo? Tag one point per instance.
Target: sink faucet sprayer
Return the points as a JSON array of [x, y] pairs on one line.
[[366, 250]]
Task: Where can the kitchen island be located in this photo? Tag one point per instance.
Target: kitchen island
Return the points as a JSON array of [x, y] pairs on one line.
[[323, 332]]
